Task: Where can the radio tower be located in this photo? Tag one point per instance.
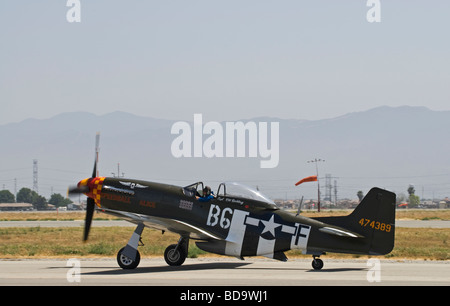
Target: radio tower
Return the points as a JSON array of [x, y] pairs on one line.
[[327, 187], [35, 176]]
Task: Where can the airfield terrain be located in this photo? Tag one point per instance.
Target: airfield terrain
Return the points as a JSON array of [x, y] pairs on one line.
[[35, 249], [225, 272], [420, 234]]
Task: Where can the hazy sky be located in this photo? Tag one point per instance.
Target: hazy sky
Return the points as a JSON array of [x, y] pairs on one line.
[[225, 59]]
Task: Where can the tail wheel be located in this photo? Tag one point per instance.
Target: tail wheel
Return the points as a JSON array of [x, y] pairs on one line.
[[125, 262], [174, 256]]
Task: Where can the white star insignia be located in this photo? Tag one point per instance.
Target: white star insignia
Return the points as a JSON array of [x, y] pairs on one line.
[[270, 226]]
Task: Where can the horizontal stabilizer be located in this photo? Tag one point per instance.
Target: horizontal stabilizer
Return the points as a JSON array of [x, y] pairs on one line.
[[339, 232]]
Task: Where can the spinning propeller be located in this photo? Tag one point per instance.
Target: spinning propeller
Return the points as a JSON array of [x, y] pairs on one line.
[[85, 187]]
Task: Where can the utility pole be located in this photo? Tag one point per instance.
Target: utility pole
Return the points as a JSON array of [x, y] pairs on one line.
[[118, 172], [335, 192], [328, 187], [316, 160], [35, 175]]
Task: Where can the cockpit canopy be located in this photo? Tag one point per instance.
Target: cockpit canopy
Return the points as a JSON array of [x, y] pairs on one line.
[[231, 190]]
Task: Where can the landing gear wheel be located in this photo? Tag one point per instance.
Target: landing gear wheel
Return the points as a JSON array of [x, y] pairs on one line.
[[317, 264], [174, 255], [126, 263]]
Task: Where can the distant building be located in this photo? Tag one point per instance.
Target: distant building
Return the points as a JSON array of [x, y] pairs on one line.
[[444, 203], [75, 206], [16, 206]]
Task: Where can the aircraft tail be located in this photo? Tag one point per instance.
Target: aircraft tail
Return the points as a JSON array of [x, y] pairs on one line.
[[374, 219]]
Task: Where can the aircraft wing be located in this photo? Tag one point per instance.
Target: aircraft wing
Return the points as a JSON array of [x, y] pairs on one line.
[[166, 224]]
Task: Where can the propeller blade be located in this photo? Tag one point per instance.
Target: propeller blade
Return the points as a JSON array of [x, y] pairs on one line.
[[97, 142], [94, 173], [75, 190], [89, 213]]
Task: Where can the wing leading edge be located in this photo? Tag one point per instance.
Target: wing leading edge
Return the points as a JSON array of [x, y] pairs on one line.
[[166, 224]]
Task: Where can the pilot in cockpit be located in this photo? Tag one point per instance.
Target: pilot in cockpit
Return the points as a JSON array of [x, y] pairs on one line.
[[207, 195]]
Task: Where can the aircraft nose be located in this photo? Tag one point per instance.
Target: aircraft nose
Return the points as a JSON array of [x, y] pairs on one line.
[[92, 187], [84, 183], [83, 186]]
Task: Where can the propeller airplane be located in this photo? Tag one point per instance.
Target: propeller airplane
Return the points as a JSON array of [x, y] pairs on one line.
[[237, 221]]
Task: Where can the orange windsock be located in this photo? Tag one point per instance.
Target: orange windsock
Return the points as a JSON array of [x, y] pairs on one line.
[[312, 178]]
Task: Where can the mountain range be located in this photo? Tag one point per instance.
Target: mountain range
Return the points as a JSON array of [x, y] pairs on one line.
[[388, 147]]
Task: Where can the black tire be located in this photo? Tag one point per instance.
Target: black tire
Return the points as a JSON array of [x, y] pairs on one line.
[[317, 264], [174, 258], [126, 263]]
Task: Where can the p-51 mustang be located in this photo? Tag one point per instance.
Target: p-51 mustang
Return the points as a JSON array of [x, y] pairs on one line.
[[238, 221]]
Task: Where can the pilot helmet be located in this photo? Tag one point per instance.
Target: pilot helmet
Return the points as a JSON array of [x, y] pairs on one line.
[[206, 191]]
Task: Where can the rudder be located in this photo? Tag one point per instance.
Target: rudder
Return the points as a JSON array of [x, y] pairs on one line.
[[374, 218]]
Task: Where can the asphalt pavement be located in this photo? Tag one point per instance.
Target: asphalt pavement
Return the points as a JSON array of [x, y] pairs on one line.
[[225, 272]]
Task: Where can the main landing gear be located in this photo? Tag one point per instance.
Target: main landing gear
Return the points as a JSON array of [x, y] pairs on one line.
[[317, 263], [128, 257], [176, 254], [127, 263]]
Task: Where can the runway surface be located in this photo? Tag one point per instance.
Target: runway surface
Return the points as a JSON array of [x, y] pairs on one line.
[[224, 272]]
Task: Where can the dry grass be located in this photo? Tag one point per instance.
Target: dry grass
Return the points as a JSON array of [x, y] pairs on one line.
[[400, 214], [423, 214], [52, 216], [417, 243], [36, 242], [422, 243], [416, 214]]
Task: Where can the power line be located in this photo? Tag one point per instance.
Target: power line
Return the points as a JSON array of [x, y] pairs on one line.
[[15, 169], [63, 170]]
